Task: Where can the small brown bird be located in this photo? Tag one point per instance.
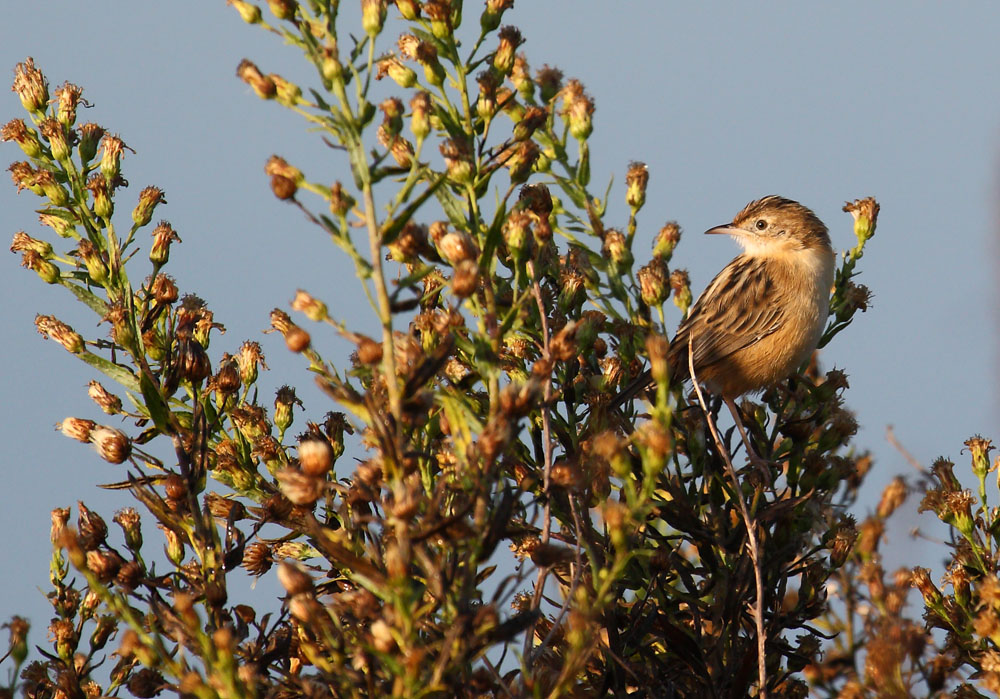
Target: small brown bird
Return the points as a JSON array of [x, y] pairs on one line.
[[764, 313]]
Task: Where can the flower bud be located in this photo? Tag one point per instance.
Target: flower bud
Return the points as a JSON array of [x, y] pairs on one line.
[[420, 107], [340, 201], [149, 197], [284, 401], [192, 361], [287, 93], [23, 242], [865, 213], [164, 290], [408, 9], [16, 130], [401, 74], [578, 110], [653, 283], [490, 19], [104, 206], [313, 308], [635, 185], [666, 241], [111, 155], [503, 59], [373, 16], [90, 137], [522, 158], [94, 260], [439, 12], [249, 12], [615, 249], [249, 358], [681, 285], [31, 87], [112, 445], [517, 234], [55, 192], [128, 519], [69, 97], [457, 159], [174, 547], [91, 526], [163, 236], [283, 9]]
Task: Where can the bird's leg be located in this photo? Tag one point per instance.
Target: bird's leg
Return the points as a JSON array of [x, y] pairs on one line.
[[763, 465]]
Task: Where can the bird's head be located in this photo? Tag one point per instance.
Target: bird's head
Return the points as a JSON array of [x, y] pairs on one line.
[[775, 225]]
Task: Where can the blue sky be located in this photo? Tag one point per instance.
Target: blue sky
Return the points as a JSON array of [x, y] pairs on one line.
[[725, 102]]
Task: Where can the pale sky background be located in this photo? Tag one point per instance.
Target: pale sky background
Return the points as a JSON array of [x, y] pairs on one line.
[[726, 102]]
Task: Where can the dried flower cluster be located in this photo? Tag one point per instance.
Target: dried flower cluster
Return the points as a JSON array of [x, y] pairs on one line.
[[476, 421]]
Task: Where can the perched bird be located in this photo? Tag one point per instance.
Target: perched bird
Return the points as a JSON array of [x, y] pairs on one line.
[[763, 314]]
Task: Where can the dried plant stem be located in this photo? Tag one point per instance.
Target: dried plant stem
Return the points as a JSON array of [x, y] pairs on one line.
[[752, 544], [547, 472], [385, 306]]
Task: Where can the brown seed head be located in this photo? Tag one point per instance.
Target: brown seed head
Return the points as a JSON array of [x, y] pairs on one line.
[[636, 179], [107, 401], [163, 236], [16, 130], [549, 81], [51, 327], [31, 87], [112, 445], [149, 199], [263, 85]]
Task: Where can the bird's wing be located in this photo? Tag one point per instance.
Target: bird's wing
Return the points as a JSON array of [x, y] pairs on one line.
[[737, 309]]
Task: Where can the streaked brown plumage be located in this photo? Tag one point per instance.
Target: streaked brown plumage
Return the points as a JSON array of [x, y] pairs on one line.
[[763, 314]]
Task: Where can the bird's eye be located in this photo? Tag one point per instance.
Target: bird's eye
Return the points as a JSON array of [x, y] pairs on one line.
[[761, 224]]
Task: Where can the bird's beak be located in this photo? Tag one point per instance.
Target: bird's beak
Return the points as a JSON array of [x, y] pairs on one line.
[[727, 228]]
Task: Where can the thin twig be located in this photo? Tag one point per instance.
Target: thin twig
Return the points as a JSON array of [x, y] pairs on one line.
[[890, 436], [752, 546], [547, 472]]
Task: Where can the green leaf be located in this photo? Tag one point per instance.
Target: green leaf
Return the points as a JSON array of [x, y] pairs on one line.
[[87, 297], [158, 410], [452, 208], [120, 374]]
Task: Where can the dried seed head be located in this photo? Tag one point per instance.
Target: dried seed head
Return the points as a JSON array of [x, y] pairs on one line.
[[615, 248], [112, 148], [69, 97], [257, 558], [77, 428], [107, 401], [104, 564], [465, 279], [315, 457], [892, 497], [456, 247], [300, 489], [294, 579], [16, 130], [92, 528], [369, 351], [250, 358], [55, 133], [60, 517], [47, 271], [510, 40], [657, 348], [31, 87], [520, 159], [578, 110], [549, 81], [164, 290], [113, 445], [457, 159], [263, 85]]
